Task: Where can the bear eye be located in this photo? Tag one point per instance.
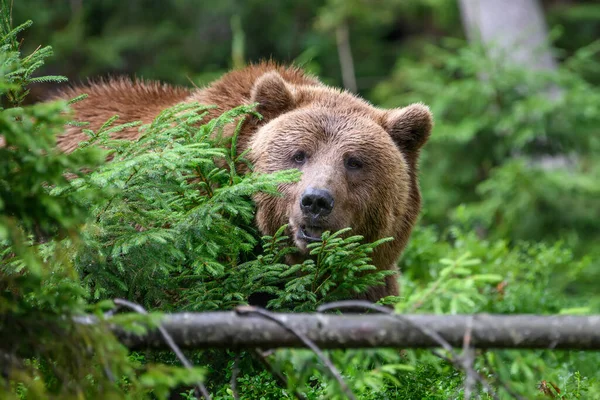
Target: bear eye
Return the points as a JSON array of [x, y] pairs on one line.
[[299, 157], [353, 163]]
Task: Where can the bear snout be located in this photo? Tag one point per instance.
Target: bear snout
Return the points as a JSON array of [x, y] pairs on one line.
[[316, 203]]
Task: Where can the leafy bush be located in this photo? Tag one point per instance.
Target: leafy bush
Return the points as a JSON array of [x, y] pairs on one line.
[[520, 147], [45, 353], [168, 223], [514, 154], [177, 229]]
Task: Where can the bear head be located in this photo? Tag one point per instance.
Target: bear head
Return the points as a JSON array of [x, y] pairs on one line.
[[358, 163]]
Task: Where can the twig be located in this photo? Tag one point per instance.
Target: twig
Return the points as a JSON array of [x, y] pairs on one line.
[[384, 310], [468, 359], [260, 356], [249, 310], [235, 370], [200, 388], [108, 373], [456, 359], [502, 383], [114, 197]]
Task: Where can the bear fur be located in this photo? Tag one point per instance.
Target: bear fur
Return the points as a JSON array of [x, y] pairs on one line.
[[359, 162]]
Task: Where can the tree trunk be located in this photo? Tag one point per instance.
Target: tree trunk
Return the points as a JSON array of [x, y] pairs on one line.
[[342, 35], [514, 30]]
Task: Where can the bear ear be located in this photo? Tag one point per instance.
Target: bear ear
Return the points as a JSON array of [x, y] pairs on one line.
[[410, 126], [272, 95]]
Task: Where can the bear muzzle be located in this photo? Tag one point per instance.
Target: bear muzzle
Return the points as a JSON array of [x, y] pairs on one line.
[[315, 204]]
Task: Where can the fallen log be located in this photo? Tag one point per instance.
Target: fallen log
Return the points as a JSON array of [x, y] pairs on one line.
[[328, 331]]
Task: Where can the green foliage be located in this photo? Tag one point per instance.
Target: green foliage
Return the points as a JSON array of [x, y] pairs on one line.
[[168, 223], [338, 269], [182, 40], [515, 152], [16, 70], [179, 215], [28, 133], [478, 275], [46, 355], [522, 146], [341, 269], [510, 169], [43, 217], [457, 272]]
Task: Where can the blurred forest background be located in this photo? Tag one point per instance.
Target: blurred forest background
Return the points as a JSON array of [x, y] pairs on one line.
[[515, 142], [184, 41], [510, 177]]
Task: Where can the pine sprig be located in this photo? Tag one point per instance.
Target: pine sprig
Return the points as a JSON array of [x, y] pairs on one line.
[[180, 213], [41, 292], [17, 71]]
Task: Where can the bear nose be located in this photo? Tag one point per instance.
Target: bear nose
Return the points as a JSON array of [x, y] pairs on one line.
[[316, 202]]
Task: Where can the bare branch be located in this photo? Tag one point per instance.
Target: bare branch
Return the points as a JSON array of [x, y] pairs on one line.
[[255, 328], [503, 384], [249, 310], [168, 339], [468, 357], [353, 304], [465, 363], [235, 370]]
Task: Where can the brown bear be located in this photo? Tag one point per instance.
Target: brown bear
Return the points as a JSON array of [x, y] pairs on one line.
[[359, 162]]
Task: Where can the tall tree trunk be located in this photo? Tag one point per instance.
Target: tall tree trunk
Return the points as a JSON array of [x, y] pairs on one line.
[[515, 30], [345, 54]]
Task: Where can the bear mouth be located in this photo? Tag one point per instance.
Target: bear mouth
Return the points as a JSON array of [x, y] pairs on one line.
[[310, 233]]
